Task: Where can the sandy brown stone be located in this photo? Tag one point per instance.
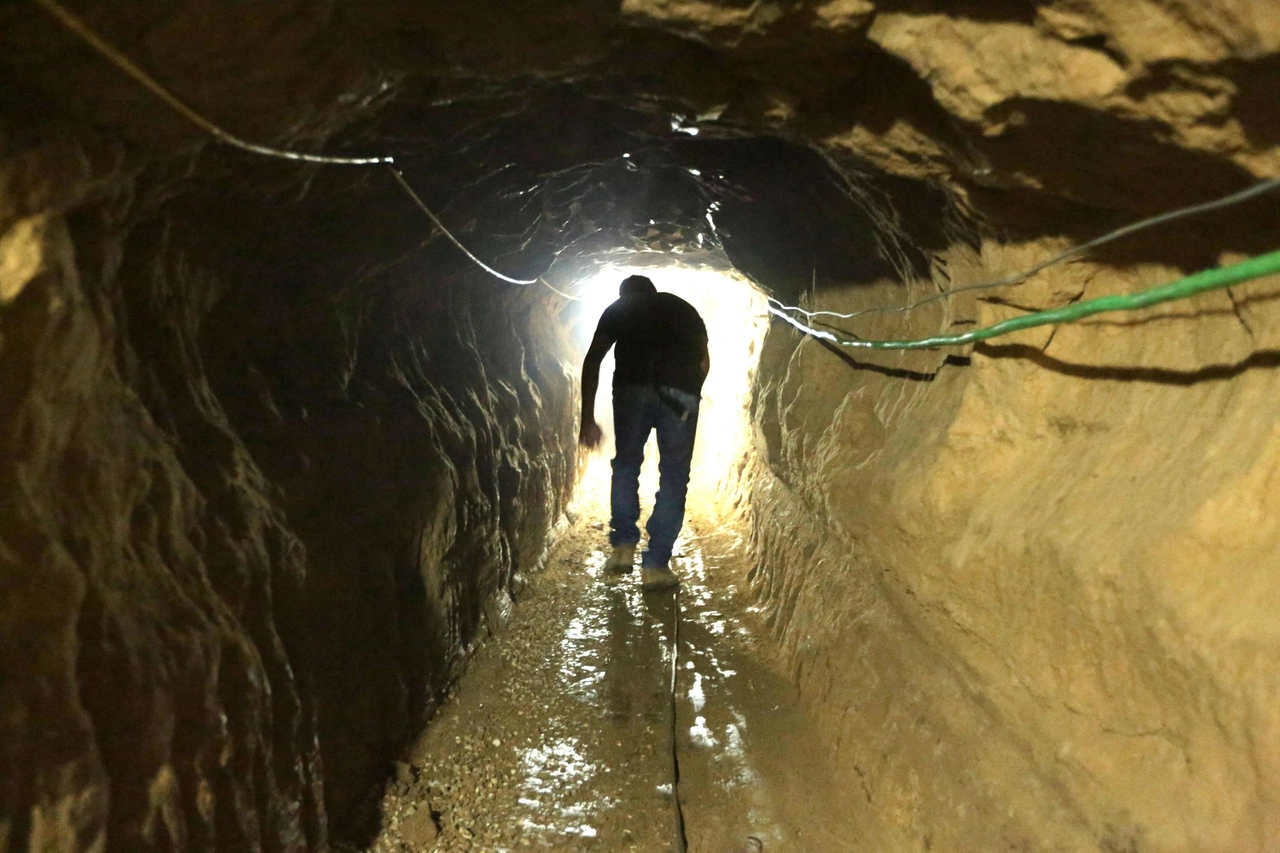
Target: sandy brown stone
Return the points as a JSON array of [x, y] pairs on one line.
[[419, 828], [275, 456]]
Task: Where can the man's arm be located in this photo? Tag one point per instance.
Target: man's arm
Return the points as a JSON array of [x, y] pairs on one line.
[[589, 433]]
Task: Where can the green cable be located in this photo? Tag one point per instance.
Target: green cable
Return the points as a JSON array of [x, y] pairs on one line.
[[1201, 282]]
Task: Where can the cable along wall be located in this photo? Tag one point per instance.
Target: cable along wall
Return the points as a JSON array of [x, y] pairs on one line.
[[1184, 288], [1094, 507], [1056, 540]]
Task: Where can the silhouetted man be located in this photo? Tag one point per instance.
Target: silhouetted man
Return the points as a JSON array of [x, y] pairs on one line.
[[660, 364]]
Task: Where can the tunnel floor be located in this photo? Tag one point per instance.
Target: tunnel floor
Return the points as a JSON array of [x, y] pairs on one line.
[[559, 734]]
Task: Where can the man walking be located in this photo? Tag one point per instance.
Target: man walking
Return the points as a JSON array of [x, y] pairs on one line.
[[660, 364]]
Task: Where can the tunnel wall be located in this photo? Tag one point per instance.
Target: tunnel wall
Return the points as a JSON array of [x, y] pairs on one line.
[[251, 523], [1029, 590], [1025, 591]]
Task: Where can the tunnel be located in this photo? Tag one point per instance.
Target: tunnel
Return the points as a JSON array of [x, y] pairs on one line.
[[300, 551]]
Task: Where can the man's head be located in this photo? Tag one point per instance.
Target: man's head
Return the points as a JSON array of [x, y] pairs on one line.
[[634, 284]]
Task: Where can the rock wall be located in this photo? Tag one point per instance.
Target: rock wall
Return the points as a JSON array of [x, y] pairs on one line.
[[1030, 590], [252, 516], [269, 454], [1024, 586]]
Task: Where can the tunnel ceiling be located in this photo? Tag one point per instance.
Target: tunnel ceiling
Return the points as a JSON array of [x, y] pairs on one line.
[[286, 381], [819, 126]]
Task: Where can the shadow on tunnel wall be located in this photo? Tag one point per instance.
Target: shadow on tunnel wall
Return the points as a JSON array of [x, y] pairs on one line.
[[259, 500], [806, 221], [418, 426]]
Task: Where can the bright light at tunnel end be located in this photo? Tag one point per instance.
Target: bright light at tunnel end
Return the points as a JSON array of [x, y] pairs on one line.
[[736, 316]]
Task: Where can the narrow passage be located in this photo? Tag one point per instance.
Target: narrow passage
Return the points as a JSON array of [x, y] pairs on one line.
[[558, 736]]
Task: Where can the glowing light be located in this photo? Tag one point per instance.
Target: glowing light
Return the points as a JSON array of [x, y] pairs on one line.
[[736, 316], [679, 126]]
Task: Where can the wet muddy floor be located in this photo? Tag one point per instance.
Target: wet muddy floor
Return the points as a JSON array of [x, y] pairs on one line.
[[559, 735]]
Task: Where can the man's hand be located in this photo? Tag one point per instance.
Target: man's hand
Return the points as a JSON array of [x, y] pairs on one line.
[[590, 434]]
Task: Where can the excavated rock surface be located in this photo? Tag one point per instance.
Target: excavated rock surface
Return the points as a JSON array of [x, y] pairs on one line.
[[560, 734], [252, 520], [1053, 630], [269, 456], [1027, 587]]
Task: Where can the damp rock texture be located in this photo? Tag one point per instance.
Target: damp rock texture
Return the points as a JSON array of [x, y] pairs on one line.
[[274, 453], [252, 520], [560, 734], [1036, 591]]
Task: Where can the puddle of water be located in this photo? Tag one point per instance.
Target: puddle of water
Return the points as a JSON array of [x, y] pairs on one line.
[[560, 764], [701, 735], [738, 778], [696, 696], [583, 717]]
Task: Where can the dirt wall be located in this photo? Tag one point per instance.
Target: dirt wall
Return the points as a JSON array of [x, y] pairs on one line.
[[249, 523], [1029, 591], [269, 451]]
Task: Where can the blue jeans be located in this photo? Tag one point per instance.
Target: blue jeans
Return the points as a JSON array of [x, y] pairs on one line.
[[638, 409]]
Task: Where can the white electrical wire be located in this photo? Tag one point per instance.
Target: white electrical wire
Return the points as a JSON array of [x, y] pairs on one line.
[[86, 34], [777, 308], [1074, 252], [118, 59], [436, 221]]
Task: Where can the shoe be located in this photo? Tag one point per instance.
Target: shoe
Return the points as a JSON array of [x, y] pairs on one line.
[[621, 561], [658, 577]]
